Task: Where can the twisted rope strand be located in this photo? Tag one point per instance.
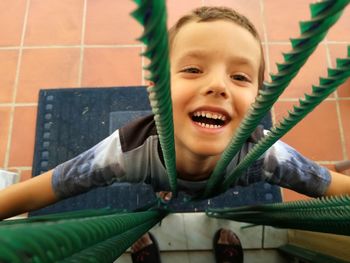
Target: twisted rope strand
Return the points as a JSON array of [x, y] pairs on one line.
[[56, 240], [152, 15], [328, 215]]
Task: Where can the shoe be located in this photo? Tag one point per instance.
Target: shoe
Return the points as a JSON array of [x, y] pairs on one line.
[[232, 253], [148, 254]]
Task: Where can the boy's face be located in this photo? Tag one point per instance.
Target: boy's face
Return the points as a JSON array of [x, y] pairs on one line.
[[214, 80]]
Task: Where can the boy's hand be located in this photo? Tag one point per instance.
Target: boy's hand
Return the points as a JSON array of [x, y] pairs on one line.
[[165, 196], [340, 184]]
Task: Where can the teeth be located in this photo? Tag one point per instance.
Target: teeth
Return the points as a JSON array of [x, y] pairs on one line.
[[210, 126], [210, 115]]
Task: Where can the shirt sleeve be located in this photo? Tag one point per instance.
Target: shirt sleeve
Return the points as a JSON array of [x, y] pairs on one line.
[[99, 166], [286, 167]]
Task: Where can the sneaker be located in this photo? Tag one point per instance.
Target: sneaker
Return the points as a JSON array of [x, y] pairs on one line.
[[148, 254], [227, 253]]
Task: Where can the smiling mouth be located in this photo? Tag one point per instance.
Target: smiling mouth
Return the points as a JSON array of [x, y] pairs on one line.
[[208, 119]]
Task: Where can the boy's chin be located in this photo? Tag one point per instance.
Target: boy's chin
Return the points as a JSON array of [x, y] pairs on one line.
[[209, 150]]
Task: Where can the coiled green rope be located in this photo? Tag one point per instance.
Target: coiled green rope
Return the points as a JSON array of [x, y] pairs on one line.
[[329, 215], [61, 216], [110, 249], [152, 15], [324, 14], [319, 93], [72, 240]]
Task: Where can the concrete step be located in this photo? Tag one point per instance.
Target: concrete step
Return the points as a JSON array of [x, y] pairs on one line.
[[187, 238]]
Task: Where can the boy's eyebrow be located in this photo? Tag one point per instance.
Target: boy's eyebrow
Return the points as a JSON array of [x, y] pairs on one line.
[[241, 60], [194, 54]]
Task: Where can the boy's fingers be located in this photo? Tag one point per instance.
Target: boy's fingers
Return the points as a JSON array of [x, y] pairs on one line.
[[168, 196], [165, 195]]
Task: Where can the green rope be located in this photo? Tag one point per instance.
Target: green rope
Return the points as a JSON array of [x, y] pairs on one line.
[[329, 215], [60, 216], [324, 15], [319, 93], [315, 203], [110, 249], [152, 15], [73, 238]]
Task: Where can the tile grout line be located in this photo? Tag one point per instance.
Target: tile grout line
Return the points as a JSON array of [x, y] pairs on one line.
[[267, 42], [15, 86], [185, 230], [21, 168], [262, 12], [143, 82], [82, 40], [337, 42], [29, 104], [263, 236], [297, 99], [119, 45], [327, 162], [337, 107], [275, 42], [72, 46], [267, 52], [341, 130]]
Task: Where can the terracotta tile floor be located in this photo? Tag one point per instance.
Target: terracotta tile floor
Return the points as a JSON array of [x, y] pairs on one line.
[[52, 23], [46, 68], [65, 43]]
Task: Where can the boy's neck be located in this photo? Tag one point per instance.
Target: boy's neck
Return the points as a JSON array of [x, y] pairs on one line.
[[193, 168]]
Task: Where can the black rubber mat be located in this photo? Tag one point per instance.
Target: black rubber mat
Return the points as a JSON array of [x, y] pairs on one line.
[[70, 121]]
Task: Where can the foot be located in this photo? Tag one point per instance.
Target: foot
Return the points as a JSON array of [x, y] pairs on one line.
[[227, 247], [145, 250]]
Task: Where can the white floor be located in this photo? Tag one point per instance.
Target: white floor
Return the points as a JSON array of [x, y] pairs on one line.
[[187, 238]]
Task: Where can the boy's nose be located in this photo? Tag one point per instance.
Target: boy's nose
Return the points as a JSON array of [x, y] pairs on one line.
[[217, 87]]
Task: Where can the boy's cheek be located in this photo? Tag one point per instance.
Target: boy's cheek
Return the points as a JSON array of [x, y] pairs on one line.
[[246, 102]]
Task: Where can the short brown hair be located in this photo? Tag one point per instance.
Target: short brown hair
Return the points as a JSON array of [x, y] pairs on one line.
[[211, 13]]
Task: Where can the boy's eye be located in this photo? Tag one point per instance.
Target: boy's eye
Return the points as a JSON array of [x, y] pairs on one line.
[[240, 77], [191, 70]]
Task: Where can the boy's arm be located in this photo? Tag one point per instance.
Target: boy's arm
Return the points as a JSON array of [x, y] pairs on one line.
[[340, 184], [27, 196]]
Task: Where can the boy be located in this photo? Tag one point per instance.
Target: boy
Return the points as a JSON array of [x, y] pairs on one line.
[[217, 67]]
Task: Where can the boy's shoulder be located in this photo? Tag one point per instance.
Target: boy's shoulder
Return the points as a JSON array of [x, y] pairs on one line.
[[136, 132]]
